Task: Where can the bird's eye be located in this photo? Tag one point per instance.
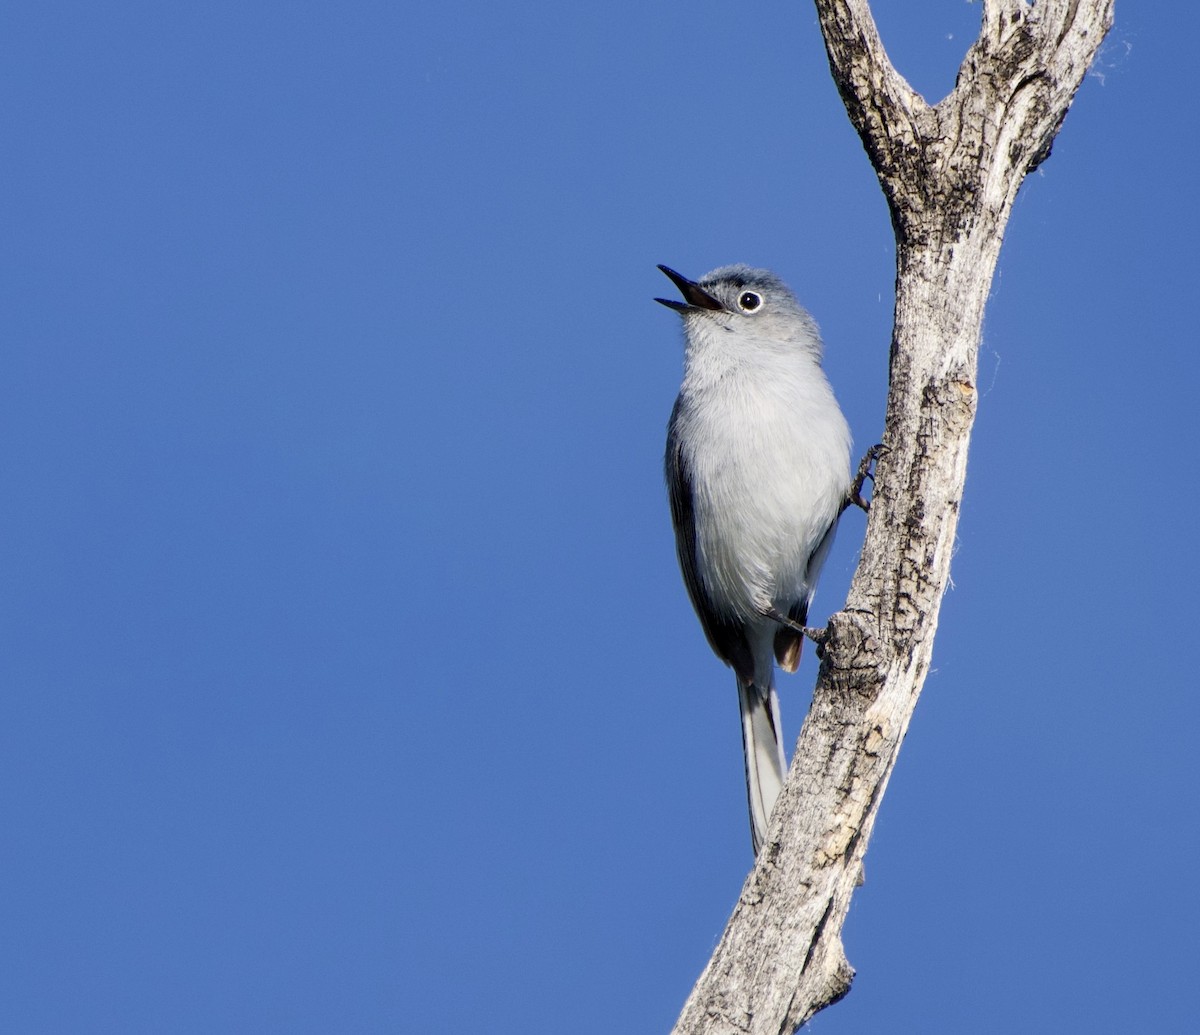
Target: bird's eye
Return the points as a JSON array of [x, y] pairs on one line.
[[748, 301]]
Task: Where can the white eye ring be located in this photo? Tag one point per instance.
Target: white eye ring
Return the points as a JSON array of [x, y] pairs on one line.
[[749, 301]]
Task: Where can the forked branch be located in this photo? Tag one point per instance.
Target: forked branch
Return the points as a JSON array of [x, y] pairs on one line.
[[950, 172]]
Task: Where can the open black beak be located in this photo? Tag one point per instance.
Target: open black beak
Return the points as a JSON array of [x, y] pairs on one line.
[[696, 296]]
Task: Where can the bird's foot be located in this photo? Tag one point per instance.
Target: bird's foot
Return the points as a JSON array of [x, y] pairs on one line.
[[855, 497], [818, 636], [776, 615]]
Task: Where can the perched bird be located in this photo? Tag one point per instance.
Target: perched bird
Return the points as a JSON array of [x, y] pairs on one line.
[[757, 465]]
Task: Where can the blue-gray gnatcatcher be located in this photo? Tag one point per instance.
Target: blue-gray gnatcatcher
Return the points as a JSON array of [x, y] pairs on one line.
[[758, 461]]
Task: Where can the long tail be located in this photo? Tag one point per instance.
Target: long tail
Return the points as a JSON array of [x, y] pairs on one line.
[[766, 766]]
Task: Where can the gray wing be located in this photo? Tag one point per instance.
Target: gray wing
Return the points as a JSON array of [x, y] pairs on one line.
[[788, 642], [725, 635]]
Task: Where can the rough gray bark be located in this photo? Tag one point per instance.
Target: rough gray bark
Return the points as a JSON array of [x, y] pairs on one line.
[[950, 173]]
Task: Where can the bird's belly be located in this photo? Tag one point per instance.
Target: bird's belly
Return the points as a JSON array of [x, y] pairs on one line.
[[758, 521]]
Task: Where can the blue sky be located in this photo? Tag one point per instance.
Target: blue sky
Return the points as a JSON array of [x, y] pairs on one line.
[[349, 682]]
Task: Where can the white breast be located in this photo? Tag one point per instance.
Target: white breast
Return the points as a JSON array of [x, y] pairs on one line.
[[768, 451]]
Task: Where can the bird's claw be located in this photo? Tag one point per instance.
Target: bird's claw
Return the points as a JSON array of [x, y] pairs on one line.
[[855, 497]]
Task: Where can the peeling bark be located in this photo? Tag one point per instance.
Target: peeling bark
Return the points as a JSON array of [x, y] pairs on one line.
[[950, 173]]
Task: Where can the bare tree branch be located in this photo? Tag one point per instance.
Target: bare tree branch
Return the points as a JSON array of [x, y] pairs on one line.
[[950, 172]]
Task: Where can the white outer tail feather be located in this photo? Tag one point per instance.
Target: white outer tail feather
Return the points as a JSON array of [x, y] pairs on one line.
[[766, 766]]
